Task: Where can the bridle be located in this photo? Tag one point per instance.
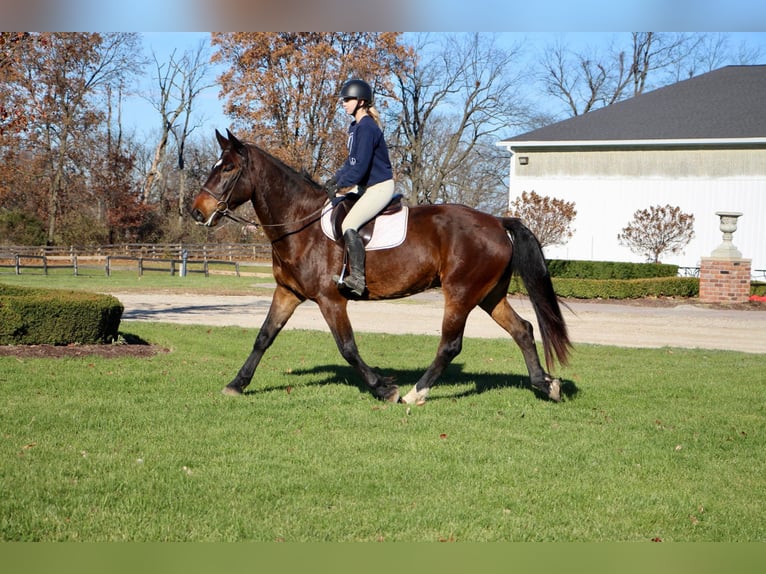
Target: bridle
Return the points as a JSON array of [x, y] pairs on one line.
[[222, 208]]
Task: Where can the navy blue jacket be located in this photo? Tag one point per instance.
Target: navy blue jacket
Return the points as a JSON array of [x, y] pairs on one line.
[[368, 162]]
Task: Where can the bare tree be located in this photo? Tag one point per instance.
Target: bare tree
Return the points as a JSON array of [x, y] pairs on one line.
[[549, 218], [454, 101], [715, 50], [587, 79], [180, 82], [658, 230]]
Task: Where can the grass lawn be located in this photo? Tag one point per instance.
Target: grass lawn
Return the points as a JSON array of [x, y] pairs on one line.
[[253, 281], [647, 445]]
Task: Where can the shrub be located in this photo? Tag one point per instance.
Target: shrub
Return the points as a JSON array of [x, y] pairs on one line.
[[619, 288], [575, 269], [57, 317], [19, 228], [658, 230]]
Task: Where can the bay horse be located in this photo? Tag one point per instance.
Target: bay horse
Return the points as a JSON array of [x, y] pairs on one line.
[[471, 255]]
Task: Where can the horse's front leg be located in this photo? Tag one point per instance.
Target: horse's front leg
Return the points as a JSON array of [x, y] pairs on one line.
[[283, 304], [335, 313], [450, 345]]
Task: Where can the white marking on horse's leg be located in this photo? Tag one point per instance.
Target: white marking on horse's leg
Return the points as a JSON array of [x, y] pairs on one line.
[[415, 397], [554, 390]]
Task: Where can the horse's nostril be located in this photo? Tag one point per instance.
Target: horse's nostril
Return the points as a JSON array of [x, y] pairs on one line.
[[195, 213]]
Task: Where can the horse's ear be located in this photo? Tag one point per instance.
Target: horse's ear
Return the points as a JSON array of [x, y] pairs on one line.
[[222, 141], [235, 143]]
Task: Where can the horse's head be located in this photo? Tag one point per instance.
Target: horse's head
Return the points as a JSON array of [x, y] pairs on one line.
[[224, 189]]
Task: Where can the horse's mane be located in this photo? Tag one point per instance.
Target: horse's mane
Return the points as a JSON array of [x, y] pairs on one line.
[[294, 173]]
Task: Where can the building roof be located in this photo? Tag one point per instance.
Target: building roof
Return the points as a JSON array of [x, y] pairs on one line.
[[726, 104]]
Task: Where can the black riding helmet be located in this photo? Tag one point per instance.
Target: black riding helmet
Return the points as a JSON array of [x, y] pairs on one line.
[[357, 89]]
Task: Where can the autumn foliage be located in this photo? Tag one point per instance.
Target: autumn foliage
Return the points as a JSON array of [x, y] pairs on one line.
[[282, 88], [54, 131]]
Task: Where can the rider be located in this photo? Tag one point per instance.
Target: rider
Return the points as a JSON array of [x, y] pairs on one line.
[[367, 169]]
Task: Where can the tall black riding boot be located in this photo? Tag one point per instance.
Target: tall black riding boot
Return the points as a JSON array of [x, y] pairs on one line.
[[355, 280]]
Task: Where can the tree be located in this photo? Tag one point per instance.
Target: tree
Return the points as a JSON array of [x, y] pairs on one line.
[[454, 101], [282, 88], [180, 82], [658, 230], [58, 78], [548, 218], [19, 228], [586, 80]]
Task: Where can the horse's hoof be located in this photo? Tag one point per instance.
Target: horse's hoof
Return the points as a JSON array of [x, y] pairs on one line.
[[232, 391], [391, 394], [415, 397], [554, 391]]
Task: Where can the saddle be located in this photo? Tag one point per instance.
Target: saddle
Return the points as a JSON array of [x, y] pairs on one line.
[[343, 204]]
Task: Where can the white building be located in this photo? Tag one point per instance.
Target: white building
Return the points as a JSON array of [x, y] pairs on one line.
[[699, 144]]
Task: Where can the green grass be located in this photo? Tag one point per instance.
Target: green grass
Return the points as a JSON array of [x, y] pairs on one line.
[[250, 282], [646, 444]]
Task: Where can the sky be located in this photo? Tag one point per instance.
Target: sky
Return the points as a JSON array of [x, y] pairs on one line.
[[371, 15], [141, 117], [168, 24]]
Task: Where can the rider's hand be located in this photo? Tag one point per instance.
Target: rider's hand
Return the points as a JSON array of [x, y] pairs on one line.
[[331, 187]]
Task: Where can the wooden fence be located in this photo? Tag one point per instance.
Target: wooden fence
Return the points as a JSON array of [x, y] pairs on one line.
[[174, 259], [256, 252]]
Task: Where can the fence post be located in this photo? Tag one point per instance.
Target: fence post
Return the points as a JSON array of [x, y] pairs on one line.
[[108, 266], [18, 265], [184, 259]]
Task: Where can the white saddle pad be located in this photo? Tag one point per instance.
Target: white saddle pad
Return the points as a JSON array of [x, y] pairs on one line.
[[390, 230]]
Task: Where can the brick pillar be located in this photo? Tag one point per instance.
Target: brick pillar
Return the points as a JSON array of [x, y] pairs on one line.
[[724, 280]]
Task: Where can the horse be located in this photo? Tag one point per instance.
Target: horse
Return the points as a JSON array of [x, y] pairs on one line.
[[470, 255]]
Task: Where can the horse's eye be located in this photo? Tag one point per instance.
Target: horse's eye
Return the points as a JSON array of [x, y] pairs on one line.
[[227, 167]]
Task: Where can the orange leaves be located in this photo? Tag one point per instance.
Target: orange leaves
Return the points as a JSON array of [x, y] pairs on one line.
[[286, 83]]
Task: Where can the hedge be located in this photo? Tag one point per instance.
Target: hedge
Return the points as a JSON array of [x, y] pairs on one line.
[[619, 288], [579, 269], [57, 317]]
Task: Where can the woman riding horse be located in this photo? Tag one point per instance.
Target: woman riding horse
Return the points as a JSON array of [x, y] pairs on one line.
[[368, 170]]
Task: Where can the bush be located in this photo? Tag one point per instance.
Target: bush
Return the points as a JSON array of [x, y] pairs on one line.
[[619, 288], [609, 269], [57, 317], [18, 228]]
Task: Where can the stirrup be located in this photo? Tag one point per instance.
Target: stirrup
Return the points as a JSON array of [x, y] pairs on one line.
[[354, 284]]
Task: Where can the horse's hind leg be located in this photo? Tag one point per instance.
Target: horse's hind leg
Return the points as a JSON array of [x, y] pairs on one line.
[[283, 304], [522, 332]]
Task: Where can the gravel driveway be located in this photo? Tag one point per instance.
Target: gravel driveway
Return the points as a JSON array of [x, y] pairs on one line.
[[625, 325]]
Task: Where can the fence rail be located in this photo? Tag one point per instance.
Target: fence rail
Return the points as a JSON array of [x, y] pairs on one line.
[[45, 257], [194, 251], [190, 259]]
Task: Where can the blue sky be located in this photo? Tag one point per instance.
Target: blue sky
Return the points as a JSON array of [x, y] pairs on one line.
[[140, 116], [179, 24], [411, 15]]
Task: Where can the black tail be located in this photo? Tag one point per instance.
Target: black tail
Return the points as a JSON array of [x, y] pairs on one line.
[[529, 263]]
